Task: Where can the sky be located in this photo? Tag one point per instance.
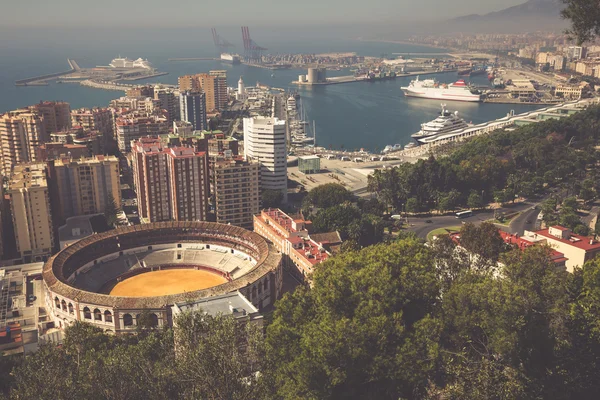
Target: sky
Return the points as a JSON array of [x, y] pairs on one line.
[[182, 13]]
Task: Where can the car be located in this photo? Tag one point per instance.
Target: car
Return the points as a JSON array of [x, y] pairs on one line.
[[528, 221], [428, 221], [31, 298]]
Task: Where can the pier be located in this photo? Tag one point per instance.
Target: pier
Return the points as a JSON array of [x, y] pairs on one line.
[[351, 78], [42, 79], [194, 59]]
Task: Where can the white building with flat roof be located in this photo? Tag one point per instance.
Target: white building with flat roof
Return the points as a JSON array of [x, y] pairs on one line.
[[265, 142]]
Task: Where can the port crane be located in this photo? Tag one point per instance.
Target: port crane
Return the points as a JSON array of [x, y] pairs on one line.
[[252, 51], [221, 45]]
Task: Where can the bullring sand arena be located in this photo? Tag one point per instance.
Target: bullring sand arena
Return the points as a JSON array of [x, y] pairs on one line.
[[161, 283]]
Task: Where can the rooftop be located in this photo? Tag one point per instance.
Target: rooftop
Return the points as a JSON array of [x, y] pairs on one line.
[[28, 176], [581, 242], [228, 304]]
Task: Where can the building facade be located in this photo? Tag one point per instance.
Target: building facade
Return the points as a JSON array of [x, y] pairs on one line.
[[291, 237], [236, 189], [171, 183], [193, 109], [57, 115], [221, 96], [265, 142], [31, 213], [169, 101], [131, 127], [83, 186], [21, 131]]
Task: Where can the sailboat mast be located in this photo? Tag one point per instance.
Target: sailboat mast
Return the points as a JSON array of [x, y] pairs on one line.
[[314, 134]]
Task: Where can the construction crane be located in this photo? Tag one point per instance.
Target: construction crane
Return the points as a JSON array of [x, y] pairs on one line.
[[221, 45], [252, 51]]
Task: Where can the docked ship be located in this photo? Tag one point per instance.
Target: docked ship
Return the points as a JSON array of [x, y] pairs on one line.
[[230, 58], [465, 71], [445, 122], [126, 63], [431, 89], [478, 70]]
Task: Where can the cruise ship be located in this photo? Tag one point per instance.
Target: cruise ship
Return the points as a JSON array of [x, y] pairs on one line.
[[445, 122], [431, 89], [230, 58], [130, 64]]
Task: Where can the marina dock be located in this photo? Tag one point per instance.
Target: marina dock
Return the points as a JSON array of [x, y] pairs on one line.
[[351, 78]]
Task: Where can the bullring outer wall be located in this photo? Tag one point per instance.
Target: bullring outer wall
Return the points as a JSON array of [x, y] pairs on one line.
[[262, 285]]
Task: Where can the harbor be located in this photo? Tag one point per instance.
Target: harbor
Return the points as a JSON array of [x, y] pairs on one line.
[[120, 69]]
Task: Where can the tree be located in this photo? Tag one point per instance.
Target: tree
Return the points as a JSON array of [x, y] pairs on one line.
[[584, 16], [328, 195], [363, 229], [271, 198], [412, 205], [218, 357], [483, 240], [364, 331], [111, 210], [474, 201]]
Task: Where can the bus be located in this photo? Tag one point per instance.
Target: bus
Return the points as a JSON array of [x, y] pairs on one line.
[[464, 214]]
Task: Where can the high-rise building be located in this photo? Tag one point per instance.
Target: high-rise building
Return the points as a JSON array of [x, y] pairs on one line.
[[21, 131], [94, 119], [236, 189], [57, 115], [264, 141], [31, 215], [193, 109], [131, 127], [171, 183], [188, 83], [209, 85], [169, 101], [140, 91], [222, 96], [188, 178], [83, 186]]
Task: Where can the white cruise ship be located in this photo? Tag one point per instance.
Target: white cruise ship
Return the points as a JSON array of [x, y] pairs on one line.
[[130, 64], [431, 89], [230, 58], [446, 122]]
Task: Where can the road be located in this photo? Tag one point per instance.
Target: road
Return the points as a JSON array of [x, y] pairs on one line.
[[422, 228]]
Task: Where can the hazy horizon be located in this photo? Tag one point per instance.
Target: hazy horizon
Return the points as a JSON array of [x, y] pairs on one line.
[[258, 13]]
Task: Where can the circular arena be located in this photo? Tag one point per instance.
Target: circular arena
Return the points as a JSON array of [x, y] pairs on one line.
[[109, 279]]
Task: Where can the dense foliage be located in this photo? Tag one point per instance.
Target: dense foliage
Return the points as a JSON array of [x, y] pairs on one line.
[[207, 358], [497, 167], [327, 195], [584, 16], [397, 321]]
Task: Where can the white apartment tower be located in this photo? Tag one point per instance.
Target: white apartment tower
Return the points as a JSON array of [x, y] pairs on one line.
[[265, 142]]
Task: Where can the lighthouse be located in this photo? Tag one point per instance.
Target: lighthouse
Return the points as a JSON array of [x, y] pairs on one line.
[[241, 93]]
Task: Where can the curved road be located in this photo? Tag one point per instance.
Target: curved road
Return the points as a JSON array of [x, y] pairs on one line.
[[525, 221]]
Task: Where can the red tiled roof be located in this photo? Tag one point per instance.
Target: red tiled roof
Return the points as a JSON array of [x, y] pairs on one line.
[[581, 242]]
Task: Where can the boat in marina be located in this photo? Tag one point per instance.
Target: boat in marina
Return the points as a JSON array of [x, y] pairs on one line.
[[431, 89], [445, 122]]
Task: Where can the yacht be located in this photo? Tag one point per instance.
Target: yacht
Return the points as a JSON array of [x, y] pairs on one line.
[[445, 122]]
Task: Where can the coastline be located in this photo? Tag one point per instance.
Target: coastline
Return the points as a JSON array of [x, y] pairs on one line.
[[405, 42]]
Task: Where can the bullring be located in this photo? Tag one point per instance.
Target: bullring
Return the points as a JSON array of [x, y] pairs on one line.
[[82, 281]]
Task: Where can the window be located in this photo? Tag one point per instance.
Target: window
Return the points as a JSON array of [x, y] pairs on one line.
[[107, 316], [97, 315], [71, 308], [127, 320], [87, 313]]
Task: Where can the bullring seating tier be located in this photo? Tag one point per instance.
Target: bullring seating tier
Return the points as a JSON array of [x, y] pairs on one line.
[[95, 278]]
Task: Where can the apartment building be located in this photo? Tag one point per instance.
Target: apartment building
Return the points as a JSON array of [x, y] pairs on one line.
[[133, 126], [21, 131], [235, 185], [57, 115], [171, 183], [192, 107], [221, 86], [84, 186], [94, 119], [265, 142], [31, 213]]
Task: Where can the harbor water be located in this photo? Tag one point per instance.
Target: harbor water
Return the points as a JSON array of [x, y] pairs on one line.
[[356, 115]]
